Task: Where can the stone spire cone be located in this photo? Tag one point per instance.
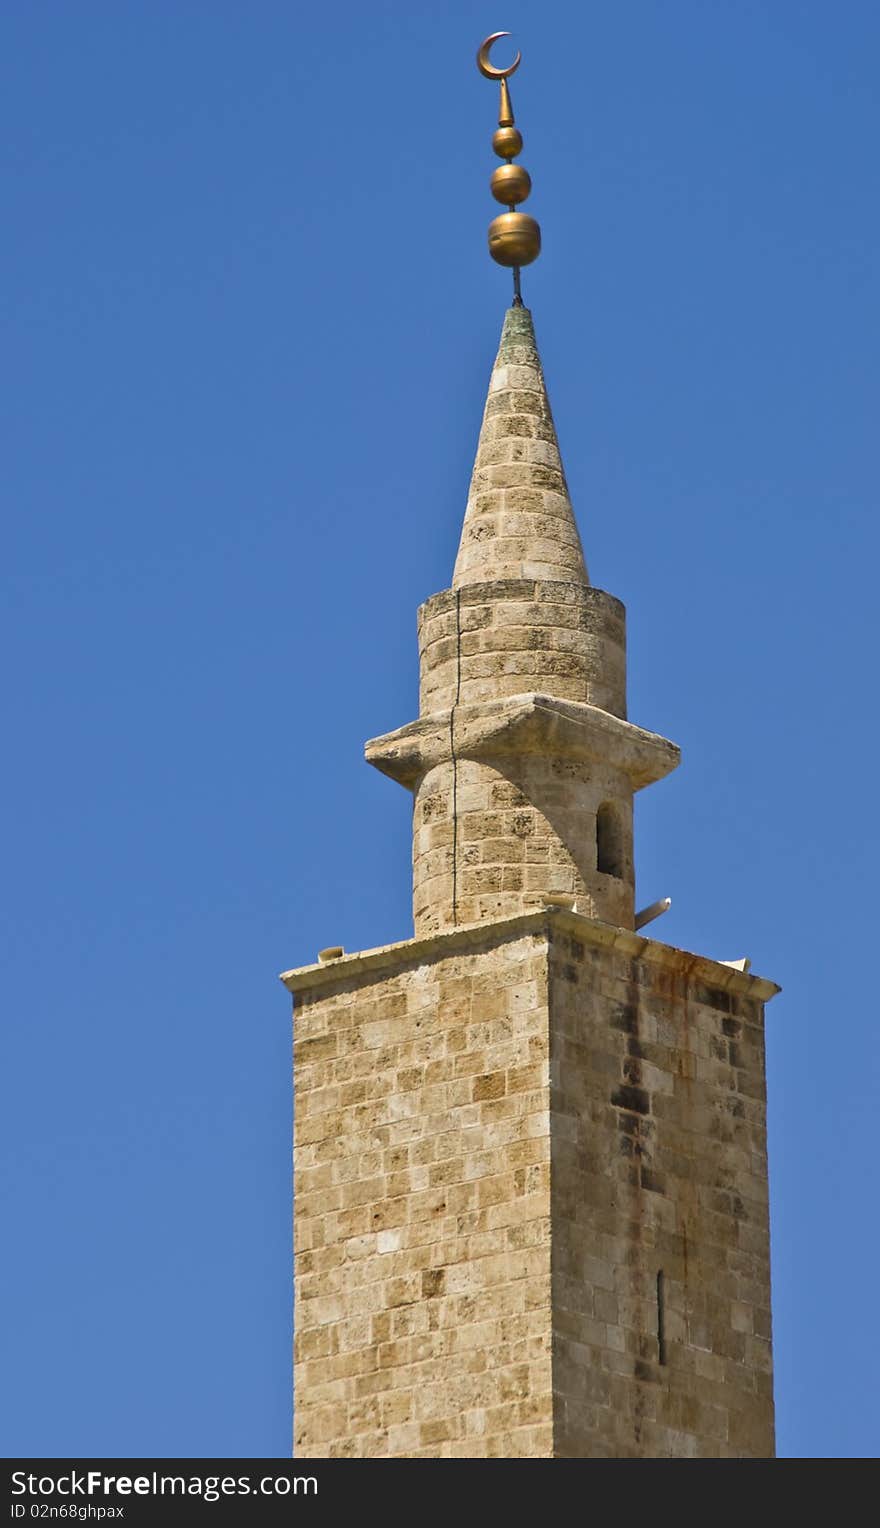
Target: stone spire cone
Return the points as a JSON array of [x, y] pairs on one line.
[[519, 522]]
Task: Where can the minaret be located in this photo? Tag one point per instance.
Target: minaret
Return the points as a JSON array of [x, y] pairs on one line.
[[531, 1193]]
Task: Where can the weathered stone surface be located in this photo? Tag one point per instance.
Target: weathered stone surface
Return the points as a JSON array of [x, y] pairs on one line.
[[503, 1135], [510, 800], [518, 836], [658, 1198], [518, 522], [502, 638]]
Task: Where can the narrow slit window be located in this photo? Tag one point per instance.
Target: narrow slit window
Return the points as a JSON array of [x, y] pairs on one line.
[[609, 841], [661, 1317]]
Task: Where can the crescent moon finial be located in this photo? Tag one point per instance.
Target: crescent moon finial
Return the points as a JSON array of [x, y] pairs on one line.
[[489, 70]]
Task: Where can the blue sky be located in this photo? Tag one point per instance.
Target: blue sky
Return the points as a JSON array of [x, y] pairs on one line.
[[249, 320]]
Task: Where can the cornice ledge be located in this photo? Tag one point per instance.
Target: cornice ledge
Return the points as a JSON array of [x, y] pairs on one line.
[[544, 921], [523, 724]]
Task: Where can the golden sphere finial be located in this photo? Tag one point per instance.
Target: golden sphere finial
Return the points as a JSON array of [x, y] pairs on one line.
[[514, 237], [507, 142], [510, 184]]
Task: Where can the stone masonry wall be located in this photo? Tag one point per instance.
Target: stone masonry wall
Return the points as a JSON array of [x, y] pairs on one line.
[[658, 1168], [516, 636], [422, 1204], [525, 826], [502, 1138]]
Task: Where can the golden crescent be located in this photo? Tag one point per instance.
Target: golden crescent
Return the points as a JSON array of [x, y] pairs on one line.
[[488, 69]]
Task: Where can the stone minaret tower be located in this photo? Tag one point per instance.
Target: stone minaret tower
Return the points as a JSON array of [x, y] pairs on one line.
[[530, 1152]]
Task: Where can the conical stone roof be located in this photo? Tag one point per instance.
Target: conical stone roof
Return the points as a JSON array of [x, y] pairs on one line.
[[519, 522]]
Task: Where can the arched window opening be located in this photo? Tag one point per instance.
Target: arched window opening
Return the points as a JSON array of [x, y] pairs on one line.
[[609, 841]]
